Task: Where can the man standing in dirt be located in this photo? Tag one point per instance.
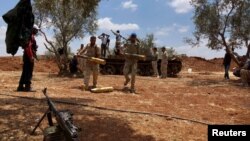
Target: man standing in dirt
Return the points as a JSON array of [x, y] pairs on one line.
[[104, 37], [164, 63], [130, 67], [28, 62], [154, 63], [226, 63], [91, 50], [118, 41]]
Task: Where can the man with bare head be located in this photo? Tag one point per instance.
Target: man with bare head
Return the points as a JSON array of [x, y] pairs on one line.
[[164, 63], [154, 62], [91, 50]]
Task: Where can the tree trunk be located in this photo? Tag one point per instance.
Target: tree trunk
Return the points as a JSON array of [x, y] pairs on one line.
[[232, 56], [229, 50], [248, 51], [61, 60]]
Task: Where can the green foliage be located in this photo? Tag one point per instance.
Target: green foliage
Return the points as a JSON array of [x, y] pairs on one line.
[[69, 19], [225, 23], [49, 55], [146, 44], [171, 52]]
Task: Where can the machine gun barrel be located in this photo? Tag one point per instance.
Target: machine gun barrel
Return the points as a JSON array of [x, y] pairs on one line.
[[50, 103]]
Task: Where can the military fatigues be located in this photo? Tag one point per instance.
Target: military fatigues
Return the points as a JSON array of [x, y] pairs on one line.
[[130, 66], [164, 65], [154, 63], [81, 61], [90, 67]]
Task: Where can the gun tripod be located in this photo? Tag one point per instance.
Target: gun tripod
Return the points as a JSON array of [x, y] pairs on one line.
[[49, 116]]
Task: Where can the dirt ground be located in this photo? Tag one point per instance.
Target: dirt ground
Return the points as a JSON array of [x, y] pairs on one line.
[[172, 109], [49, 65]]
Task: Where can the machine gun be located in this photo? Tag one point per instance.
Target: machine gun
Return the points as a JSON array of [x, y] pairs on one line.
[[64, 120]]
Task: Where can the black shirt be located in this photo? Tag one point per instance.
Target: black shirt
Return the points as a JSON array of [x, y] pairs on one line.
[[227, 59]]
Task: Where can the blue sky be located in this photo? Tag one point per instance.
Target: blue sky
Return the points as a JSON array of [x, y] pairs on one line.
[[169, 20]]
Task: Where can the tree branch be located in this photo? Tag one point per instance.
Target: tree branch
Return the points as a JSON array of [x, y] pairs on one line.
[[48, 48], [229, 50], [46, 39], [227, 18]]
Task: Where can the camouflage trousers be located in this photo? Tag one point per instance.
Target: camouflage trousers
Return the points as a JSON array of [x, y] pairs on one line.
[[164, 68], [130, 68], [91, 69], [245, 76], [155, 69], [81, 64]]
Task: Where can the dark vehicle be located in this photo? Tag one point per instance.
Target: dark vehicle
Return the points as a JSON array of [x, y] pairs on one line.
[[114, 66]]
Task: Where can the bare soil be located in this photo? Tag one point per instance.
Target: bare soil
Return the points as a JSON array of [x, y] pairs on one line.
[[172, 109]]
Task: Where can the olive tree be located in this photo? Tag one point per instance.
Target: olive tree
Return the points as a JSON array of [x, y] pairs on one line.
[[147, 44], [69, 20], [224, 23]]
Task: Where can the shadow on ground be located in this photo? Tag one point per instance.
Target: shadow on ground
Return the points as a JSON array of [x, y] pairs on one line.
[[19, 116]]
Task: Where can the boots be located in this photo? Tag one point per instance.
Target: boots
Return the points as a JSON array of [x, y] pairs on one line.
[[226, 76], [27, 88], [20, 88], [126, 82]]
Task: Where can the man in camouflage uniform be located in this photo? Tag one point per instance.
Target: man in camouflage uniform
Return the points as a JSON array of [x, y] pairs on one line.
[[91, 50], [154, 63], [164, 63], [130, 66], [80, 60]]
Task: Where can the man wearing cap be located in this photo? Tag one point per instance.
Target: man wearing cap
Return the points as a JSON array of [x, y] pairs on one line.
[[28, 62], [91, 50], [130, 67], [104, 37], [164, 63]]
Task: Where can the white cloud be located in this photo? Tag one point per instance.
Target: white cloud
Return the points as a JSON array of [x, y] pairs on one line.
[[203, 51], [200, 51], [2, 32], [2, 40], [183, 29], [129, 5], [181, 6], [107, 24], [165, 31], [40, 42]]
